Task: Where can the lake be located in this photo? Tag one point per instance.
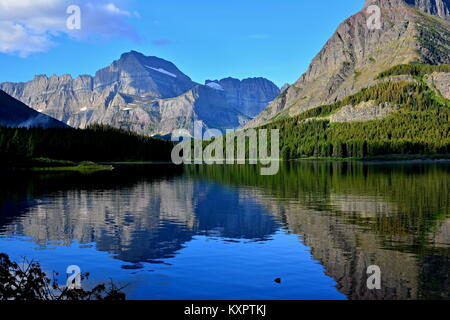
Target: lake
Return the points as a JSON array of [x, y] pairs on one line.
[[225, 232]]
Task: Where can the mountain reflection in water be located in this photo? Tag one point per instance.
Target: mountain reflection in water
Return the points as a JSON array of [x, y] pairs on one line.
[[349, 215]]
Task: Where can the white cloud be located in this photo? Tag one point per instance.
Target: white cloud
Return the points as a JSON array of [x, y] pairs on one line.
[[111, 7], [29, 26]]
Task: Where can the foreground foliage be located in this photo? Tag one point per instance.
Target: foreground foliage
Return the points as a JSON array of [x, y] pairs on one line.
[[29, 282]]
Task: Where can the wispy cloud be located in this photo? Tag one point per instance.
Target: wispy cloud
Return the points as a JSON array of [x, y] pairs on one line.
[[29, 26]]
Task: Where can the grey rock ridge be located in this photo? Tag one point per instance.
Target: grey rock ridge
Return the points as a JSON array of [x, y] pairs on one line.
[[411, 31], [250, 96], [14, 113], [144, 94], [439, 8]]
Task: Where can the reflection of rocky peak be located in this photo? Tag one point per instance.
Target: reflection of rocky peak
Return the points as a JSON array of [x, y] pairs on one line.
[[340, 211], [140, 221]]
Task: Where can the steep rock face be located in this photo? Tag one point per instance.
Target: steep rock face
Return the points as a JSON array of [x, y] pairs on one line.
[[355, 55], [210, 105], [14, 113], [440, 8], [145, 94], [137, 74], [146, 115], [250, 96]]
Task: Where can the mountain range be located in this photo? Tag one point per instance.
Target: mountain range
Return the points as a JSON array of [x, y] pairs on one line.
[[368, 92], [147, 95]]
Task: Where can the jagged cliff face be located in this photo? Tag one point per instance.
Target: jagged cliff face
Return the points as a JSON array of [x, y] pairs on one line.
[[250, 96], [136, 74], [355, 55], [145, 94]]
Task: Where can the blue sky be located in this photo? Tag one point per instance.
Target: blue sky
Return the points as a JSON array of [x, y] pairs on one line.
[[205, 39]]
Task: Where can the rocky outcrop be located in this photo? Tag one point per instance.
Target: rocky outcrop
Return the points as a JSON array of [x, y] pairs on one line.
[[440, 81], [365, 111], [14, 113], [144, 94], [440, 8], [354, 56]]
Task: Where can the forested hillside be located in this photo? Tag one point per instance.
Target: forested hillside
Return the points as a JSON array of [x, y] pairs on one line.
[[419, 122]]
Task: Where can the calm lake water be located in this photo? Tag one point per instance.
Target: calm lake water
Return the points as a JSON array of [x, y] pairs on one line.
[[225, 232]]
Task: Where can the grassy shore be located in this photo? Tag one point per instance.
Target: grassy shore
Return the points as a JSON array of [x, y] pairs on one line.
[[82, 167], [45, 164]]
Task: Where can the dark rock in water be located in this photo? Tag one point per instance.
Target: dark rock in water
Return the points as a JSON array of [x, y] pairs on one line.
[[278, 280], [135, 266], [154, 261]]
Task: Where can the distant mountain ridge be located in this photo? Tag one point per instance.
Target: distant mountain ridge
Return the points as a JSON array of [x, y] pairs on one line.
[[144, 94], [14, 113], [250, 95]]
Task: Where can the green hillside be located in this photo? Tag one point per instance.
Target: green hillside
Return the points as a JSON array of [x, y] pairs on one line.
[[420, 123]]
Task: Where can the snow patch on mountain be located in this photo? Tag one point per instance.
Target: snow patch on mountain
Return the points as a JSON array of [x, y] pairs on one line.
[[163, 71], [215, 85]]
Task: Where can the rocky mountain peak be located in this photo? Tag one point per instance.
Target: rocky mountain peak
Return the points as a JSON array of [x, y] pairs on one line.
[[144, 94], [355, 54], [439, 8], [137, 74]]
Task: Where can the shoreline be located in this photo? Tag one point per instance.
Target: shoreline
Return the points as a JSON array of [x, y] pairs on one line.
[[51, 165]]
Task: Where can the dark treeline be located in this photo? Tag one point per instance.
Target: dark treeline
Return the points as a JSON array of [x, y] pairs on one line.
[[96, 143], [420, 126]]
